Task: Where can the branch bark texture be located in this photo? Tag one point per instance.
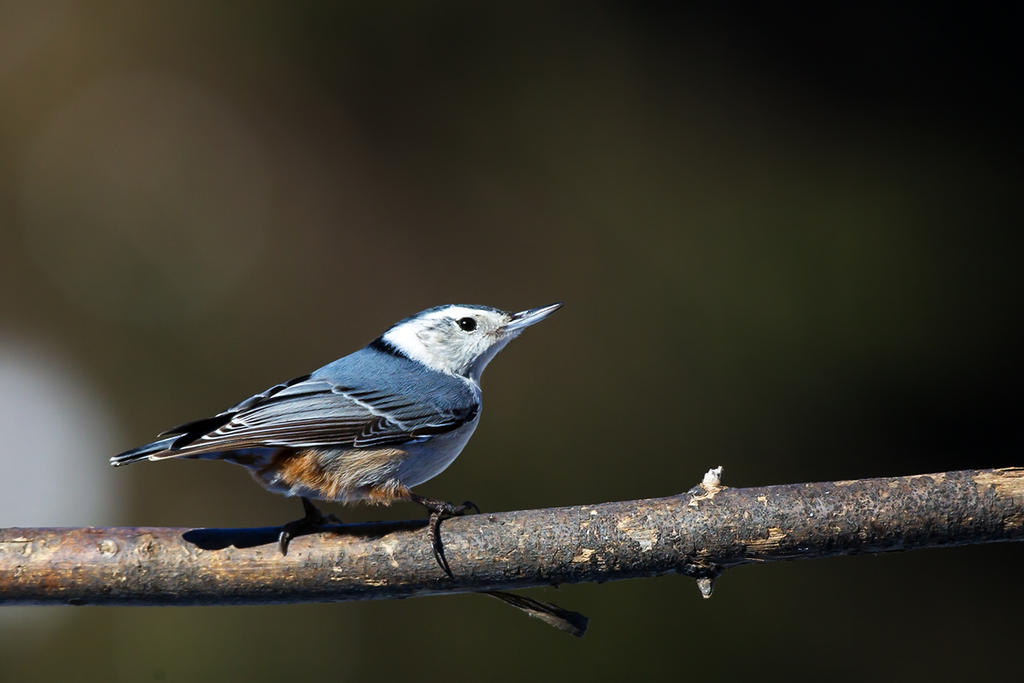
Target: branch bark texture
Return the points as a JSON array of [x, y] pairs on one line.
[[698, 533]]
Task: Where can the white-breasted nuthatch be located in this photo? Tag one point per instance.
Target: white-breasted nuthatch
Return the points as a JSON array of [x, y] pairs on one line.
[[367, 427]]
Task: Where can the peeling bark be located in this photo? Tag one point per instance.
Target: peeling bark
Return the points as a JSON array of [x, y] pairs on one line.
[[698, 533]]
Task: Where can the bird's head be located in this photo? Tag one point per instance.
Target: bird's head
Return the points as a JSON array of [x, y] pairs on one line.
[[460, 339]]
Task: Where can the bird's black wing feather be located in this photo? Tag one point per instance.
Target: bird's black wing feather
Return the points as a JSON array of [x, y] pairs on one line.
[[309, 413]]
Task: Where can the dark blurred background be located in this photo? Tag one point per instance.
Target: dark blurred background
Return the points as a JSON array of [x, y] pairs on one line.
[[788, 244]]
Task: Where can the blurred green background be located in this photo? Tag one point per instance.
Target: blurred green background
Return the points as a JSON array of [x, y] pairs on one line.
[[788, 244]]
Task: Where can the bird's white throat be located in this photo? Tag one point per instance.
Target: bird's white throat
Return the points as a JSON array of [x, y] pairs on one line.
[[435, 339]]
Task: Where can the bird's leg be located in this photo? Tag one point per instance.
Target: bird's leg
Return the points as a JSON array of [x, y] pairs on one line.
[[439, 511], [313, 520]]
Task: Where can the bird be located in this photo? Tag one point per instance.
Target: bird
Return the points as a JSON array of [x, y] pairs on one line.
[[368, 427]]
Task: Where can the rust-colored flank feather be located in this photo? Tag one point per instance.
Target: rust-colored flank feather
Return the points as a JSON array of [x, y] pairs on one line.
[[364, 474]]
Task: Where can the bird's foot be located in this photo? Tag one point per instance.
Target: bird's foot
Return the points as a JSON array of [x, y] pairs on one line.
[[314, 520], [439, 511]]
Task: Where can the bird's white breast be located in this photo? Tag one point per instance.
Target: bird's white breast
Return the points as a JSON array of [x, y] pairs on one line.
[[427, 459]]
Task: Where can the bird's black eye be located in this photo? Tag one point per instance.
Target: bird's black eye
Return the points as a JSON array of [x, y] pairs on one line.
[[467, 324]]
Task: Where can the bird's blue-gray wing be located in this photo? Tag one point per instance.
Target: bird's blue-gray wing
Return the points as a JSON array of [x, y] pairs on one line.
[[308, 413]]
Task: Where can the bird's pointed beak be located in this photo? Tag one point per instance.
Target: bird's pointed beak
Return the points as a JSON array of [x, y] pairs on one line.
[[530, 316]]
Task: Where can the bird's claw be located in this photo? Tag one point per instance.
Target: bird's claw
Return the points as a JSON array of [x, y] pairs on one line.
[[436, 545], [284, 538], [439, 511], [312, 521]]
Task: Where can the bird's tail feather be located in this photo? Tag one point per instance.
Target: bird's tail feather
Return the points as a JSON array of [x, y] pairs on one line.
[[157, 450]]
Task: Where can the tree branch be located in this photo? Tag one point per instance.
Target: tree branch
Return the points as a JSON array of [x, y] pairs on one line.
[[699, 533]]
